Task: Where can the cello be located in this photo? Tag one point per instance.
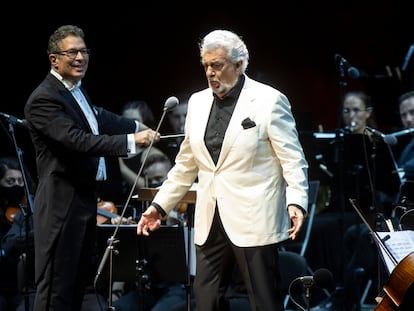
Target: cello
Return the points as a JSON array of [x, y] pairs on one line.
[[397, 293], [398, 290]]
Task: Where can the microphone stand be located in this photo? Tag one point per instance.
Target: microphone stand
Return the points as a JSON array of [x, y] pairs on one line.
[[339, 159], [26, 209], [190, 224], [407, 57], [403, 132], [380, 241], [378, 215], [342, 86], [308, 285], [340, 137], [373, 178], [109, 251]]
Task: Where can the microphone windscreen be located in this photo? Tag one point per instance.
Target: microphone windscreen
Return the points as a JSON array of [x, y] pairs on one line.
[[170, 103], [24, 123], [390, 140], [323, 278], [353, 72]]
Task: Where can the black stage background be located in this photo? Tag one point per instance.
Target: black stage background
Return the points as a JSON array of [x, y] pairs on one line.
[[150, 52]]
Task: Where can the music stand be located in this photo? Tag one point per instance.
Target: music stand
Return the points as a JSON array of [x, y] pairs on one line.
[[163, 251], [373, 162], [148, 194], [359, 166]]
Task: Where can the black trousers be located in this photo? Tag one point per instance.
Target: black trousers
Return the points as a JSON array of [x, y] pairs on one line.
[[216, 262], [68, 272]]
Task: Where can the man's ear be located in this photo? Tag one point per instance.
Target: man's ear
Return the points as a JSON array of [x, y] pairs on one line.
[[239, 66], [53, 61]]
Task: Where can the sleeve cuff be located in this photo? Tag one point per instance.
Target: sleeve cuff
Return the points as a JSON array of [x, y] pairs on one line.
[[131, 145], [300, 207], [159, 209]]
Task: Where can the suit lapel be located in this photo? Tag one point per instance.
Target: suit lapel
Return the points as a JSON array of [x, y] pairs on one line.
[[197, 131], [241, 112], [70, 101]]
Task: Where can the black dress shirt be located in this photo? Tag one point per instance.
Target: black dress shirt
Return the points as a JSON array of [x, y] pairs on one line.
[[219, 119]]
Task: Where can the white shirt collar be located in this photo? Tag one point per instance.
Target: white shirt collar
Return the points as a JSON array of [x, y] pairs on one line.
[[66, 83]]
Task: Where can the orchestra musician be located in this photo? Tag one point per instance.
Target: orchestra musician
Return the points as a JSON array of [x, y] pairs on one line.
[[12, 201], [406, 164]]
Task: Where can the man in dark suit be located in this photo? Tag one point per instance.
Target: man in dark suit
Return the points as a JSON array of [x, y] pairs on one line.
[[70, 138]]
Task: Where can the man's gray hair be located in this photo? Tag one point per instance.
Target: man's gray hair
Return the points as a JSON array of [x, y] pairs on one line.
[[229, 41]]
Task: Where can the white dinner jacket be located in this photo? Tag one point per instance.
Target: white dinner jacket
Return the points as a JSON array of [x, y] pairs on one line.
[[260, 169]]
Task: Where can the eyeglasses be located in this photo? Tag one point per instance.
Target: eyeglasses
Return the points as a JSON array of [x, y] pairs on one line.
[[72, 53], [13, 181], [354, 110]]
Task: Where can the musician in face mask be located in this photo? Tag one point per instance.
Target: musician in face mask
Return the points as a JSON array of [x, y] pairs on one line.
[[11, 183], [12, 200]]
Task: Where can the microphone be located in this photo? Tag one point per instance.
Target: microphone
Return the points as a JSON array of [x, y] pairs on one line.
[[322, 278], [407, 57], [344, 64], [403, 132], [351, 127], [323, 166], [13, 120], [170, 103], [388, 139]]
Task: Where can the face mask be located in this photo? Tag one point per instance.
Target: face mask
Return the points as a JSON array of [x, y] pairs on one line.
[[12, 195]]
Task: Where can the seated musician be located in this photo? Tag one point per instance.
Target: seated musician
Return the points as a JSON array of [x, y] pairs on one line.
[[406, 164], [349, 251]]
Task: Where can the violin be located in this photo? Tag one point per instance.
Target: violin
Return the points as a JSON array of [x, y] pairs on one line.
[[11, 213], [106, 210], [181, 207]]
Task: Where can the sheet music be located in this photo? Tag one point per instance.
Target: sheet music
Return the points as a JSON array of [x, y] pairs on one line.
[[399, 244]]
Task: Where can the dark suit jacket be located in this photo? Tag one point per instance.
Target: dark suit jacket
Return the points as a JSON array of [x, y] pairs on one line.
[[406, 160], [67, 154]]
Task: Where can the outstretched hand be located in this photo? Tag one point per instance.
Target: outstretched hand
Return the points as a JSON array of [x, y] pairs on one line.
[[296, 216], [150, 221]]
